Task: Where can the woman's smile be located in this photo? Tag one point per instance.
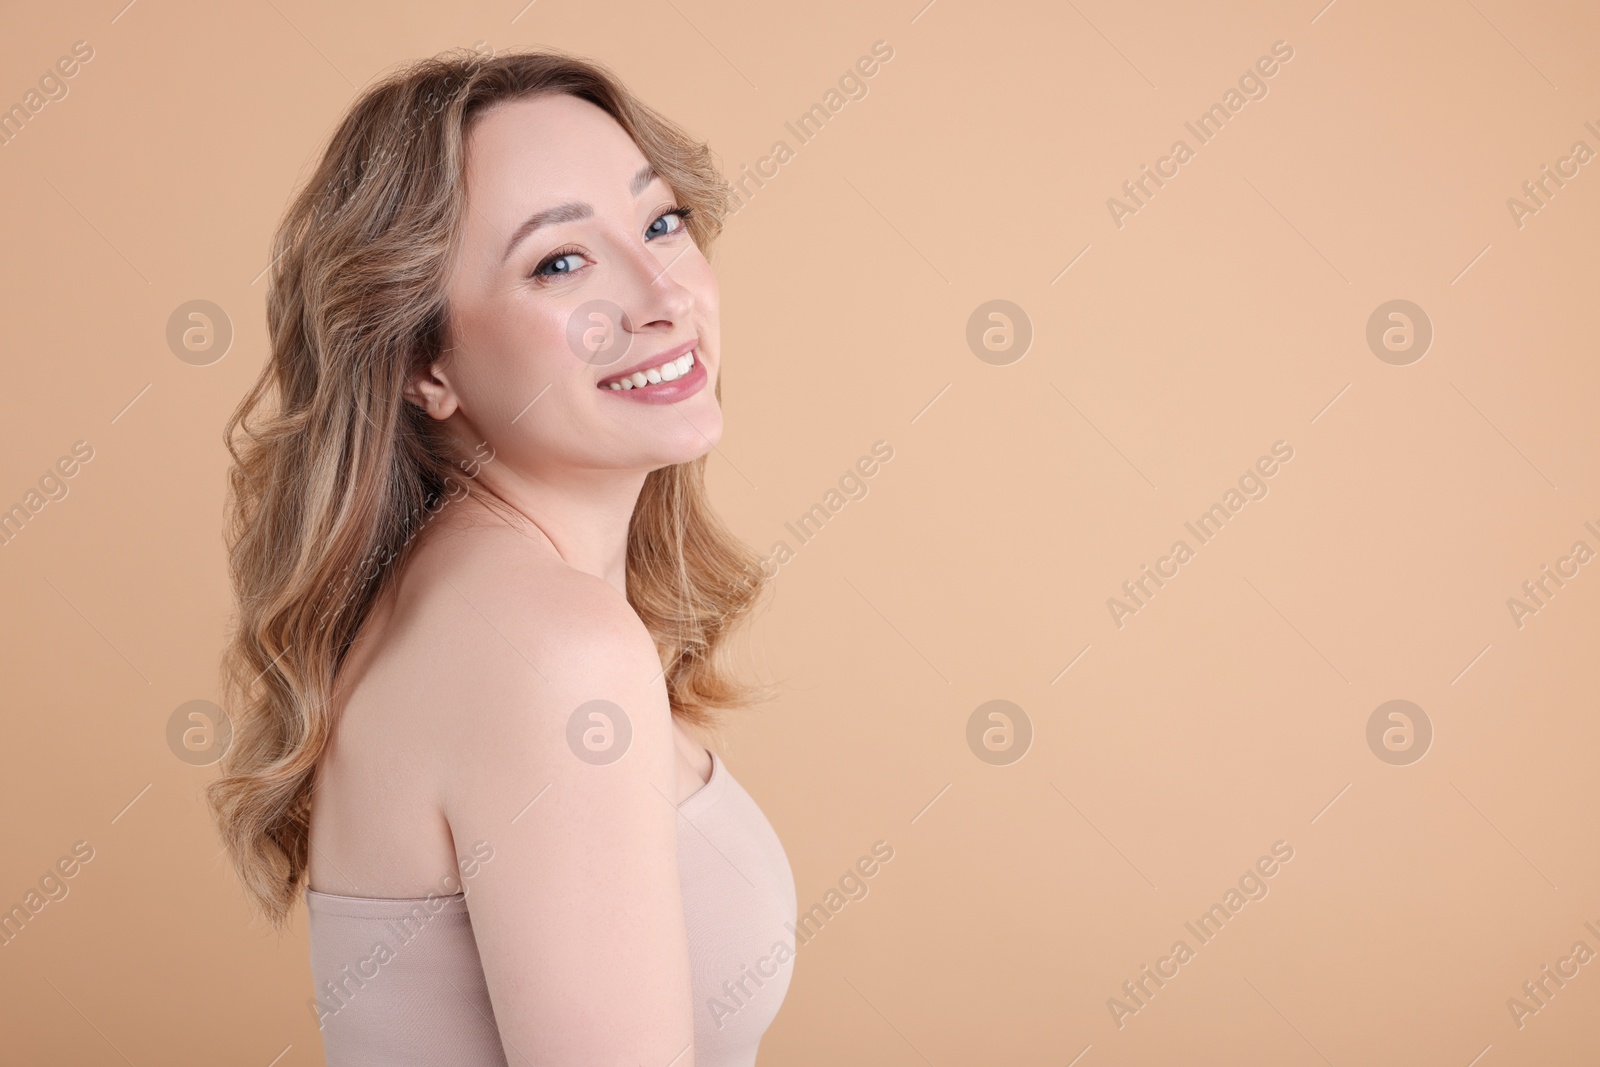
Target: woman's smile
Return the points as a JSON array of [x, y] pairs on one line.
[[665, 379]]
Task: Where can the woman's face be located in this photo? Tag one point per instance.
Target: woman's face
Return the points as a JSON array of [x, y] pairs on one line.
[[545, 314]]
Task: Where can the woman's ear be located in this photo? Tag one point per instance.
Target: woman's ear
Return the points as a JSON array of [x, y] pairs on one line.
[[431, 391]]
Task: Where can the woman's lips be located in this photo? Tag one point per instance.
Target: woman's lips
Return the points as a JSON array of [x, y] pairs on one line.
[[666, 355], [663, 392]]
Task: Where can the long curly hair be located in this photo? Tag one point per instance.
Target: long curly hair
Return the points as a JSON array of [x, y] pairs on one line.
[[334, 472]]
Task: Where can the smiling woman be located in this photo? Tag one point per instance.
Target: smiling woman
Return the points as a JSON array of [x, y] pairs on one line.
[[532, 671]]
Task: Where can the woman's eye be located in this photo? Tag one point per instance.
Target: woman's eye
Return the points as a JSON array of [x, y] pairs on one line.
[[555, 266], [563, 262], [677, 213]]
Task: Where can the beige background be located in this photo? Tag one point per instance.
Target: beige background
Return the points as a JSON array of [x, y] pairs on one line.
[[1227, 314]]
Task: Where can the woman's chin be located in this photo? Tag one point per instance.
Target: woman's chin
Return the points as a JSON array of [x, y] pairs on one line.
[[692, 445], [681, 440]]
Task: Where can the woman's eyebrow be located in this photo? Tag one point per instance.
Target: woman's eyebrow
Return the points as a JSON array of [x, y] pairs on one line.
[[572, 211]]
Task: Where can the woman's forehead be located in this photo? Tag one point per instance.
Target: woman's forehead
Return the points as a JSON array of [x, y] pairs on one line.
[[550, 140]]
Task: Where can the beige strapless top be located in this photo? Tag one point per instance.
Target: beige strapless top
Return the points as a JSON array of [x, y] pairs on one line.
[[425, 1002]]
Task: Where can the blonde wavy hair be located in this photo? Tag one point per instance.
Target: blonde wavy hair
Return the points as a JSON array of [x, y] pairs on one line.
[[330, 479]]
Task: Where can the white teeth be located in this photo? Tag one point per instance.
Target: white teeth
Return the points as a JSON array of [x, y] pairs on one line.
[[667, 372]]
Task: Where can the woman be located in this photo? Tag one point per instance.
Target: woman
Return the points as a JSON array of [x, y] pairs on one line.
[[482, 598]]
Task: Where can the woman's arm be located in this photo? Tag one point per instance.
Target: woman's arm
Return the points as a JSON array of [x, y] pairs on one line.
[[579, 921]]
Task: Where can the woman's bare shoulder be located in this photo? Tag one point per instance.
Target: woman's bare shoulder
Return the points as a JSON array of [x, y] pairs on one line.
[[521, 643], [459, 686], [486, 617], [509, 581]]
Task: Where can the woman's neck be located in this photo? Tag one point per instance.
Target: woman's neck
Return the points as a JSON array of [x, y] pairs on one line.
[[583, 521]]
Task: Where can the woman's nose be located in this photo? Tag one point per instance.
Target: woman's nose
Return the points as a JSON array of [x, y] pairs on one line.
[[651, 293]]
